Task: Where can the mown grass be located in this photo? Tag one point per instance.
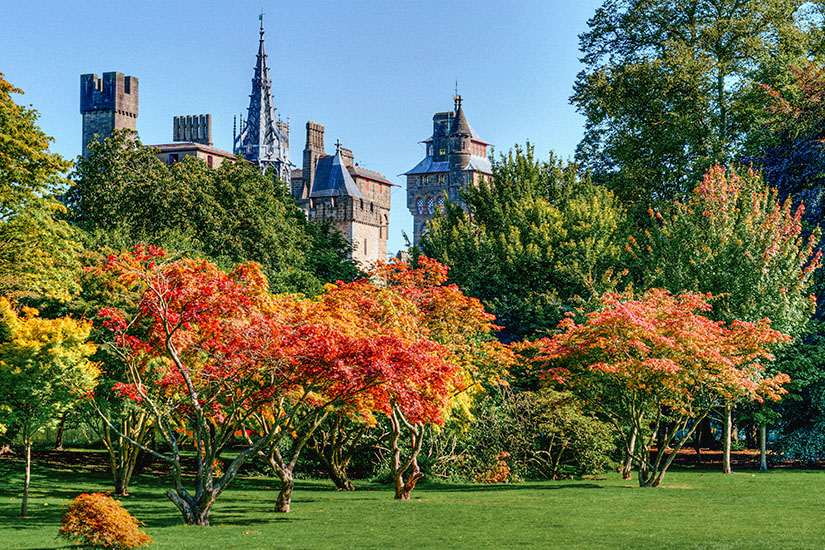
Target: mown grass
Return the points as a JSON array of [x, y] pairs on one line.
[[694, 509]]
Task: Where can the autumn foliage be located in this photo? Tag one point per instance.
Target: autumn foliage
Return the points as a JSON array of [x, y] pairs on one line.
[[214, 357], [659, 360], [97, 519]]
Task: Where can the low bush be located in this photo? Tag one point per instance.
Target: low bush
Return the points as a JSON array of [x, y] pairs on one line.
[[97, 519]]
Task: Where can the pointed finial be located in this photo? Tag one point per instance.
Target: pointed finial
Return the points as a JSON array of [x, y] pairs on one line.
[[337, 145], [261, 18], [456, 86], [457, 100]]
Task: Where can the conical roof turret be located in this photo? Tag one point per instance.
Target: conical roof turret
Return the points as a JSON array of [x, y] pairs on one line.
[[460, 125]]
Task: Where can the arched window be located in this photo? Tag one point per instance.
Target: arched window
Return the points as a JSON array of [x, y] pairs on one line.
[[441, 204], [431, 205], [420, 205]]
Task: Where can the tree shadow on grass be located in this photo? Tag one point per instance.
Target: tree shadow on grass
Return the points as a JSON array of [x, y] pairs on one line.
[[470, 487], [37, 518]]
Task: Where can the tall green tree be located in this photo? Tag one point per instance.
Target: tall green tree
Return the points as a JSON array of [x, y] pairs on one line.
[[533, 243], [736, 240], [668, 86], [788, 145], [37, 251], [124, 195]]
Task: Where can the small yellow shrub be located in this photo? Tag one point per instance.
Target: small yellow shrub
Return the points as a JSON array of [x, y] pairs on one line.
[[97, 519]]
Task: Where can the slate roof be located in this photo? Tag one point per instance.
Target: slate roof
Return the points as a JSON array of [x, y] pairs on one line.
[[429, 166], [370, 175], [473, 134], [332, 179], [480, 164], [191, 146], [460, 125]]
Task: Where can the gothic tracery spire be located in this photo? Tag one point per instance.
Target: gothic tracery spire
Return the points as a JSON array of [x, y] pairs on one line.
[[263, 139]]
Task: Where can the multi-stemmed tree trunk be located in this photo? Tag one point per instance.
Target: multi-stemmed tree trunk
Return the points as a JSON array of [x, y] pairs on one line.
[[652, 467], [408, 466], [123, 455], [335, 447], [627, 465]]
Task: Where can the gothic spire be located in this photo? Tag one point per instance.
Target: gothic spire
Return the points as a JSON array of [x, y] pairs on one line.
[[264, 140]]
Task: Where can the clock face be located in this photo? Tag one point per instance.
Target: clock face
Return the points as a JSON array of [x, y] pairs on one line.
[[420, 205], [431, 205]]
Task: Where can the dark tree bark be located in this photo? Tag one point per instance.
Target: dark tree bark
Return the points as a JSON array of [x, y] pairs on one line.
[[61, 427], [335, 447]]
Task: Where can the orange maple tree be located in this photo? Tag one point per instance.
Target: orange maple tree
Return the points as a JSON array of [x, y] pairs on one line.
[[644, 362], [465, 332], [213, 357]]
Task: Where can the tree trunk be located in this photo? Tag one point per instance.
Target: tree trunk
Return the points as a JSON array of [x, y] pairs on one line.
[[193, 514], [763, 447], [24, 508], [726, 439], [122, 486], [285, 495], [627, 467], [339, 477], [58, 444], [400, 467]]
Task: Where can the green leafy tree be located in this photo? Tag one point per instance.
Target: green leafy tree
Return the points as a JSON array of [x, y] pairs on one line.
[[736, 240], [44, 369], [124, 195], [533, 243], [37, 251], [668, 86]]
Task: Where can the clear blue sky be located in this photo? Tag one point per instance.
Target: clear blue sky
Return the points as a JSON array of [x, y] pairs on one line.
[[373, 72]]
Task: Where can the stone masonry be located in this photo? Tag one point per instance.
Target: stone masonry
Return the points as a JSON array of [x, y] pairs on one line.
[[107, 104]]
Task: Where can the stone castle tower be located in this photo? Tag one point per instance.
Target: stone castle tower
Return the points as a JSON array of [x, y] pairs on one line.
[[356, 201], [107, 104], [456, 157], [263, 139]]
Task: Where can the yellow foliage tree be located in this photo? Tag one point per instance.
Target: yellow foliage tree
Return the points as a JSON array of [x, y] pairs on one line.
[[44, 368]]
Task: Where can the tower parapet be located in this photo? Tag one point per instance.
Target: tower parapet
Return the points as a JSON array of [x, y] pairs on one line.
[[193, 129], [107, 104]]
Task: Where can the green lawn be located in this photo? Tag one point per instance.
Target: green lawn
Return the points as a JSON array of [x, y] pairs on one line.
[[707, 510]]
